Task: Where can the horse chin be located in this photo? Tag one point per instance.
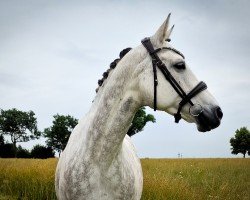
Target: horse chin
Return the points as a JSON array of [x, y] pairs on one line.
[[200, 127], [203, 128]]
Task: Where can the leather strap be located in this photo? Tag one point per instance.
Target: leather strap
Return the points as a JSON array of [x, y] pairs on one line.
[[155, 85], [148, 45]]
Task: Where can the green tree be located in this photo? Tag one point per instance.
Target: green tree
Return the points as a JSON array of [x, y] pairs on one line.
[[22, 153], [139, 121], [20, 126], [7, 151], [58, 134], [39, 151], [1, 140], [241, 142]]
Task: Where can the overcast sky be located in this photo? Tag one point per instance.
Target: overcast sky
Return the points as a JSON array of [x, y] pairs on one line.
[[53, 52]]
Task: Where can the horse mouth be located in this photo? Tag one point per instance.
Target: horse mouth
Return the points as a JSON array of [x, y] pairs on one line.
[[208, 120], [203, 128]]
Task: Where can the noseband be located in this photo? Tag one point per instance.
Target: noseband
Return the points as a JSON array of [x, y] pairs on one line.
[[156, 62]]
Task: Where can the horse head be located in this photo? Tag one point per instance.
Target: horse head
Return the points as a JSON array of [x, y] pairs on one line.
[[160, 78]]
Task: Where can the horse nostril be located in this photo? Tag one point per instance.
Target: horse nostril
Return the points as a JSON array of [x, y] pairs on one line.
[[219, 112]]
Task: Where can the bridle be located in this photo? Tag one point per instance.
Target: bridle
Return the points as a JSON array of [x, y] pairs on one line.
[[186, 98]]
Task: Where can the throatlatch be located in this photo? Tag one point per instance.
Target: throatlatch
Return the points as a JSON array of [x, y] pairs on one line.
[[156, 62]]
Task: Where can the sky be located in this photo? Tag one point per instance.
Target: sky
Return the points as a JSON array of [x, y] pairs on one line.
[[53, 52]]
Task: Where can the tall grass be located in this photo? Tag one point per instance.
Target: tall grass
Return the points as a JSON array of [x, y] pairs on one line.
[[177, 179], [27, 179], [182, 179]]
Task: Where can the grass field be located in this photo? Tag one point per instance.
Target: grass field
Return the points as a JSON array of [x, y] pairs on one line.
[[181, 179]]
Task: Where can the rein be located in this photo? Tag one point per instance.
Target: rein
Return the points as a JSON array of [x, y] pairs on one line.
[[157, 63]]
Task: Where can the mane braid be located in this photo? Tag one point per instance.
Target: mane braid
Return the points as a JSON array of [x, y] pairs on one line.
[[112, 66]]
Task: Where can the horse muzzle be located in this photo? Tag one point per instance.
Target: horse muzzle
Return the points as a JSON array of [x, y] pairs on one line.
[[209, 118]]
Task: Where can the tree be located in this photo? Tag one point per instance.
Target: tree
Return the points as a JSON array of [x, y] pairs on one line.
[[241, 142], [1, 140], [139, 121], [20, 126], [6, 150], [58, 134], [22, 153], [42, 152]]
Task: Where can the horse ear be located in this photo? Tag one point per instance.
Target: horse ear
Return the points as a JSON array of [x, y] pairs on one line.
[[162, 33], [169, 32]]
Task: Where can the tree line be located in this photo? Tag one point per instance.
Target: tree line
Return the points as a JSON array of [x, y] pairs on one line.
[[21, 126], [38, 151]]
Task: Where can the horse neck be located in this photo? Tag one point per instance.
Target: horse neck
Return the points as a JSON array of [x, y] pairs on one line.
[[111, 114]]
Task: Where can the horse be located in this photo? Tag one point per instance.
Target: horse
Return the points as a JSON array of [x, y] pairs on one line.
[[100, 160]]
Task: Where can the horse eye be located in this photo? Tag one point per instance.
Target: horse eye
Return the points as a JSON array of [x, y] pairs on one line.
[[180, 65]]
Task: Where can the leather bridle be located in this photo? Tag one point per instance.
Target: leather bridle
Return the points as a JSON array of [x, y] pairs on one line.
[[156, 62]]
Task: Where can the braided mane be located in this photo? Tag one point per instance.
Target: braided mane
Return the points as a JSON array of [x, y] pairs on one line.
[[112, 66]]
